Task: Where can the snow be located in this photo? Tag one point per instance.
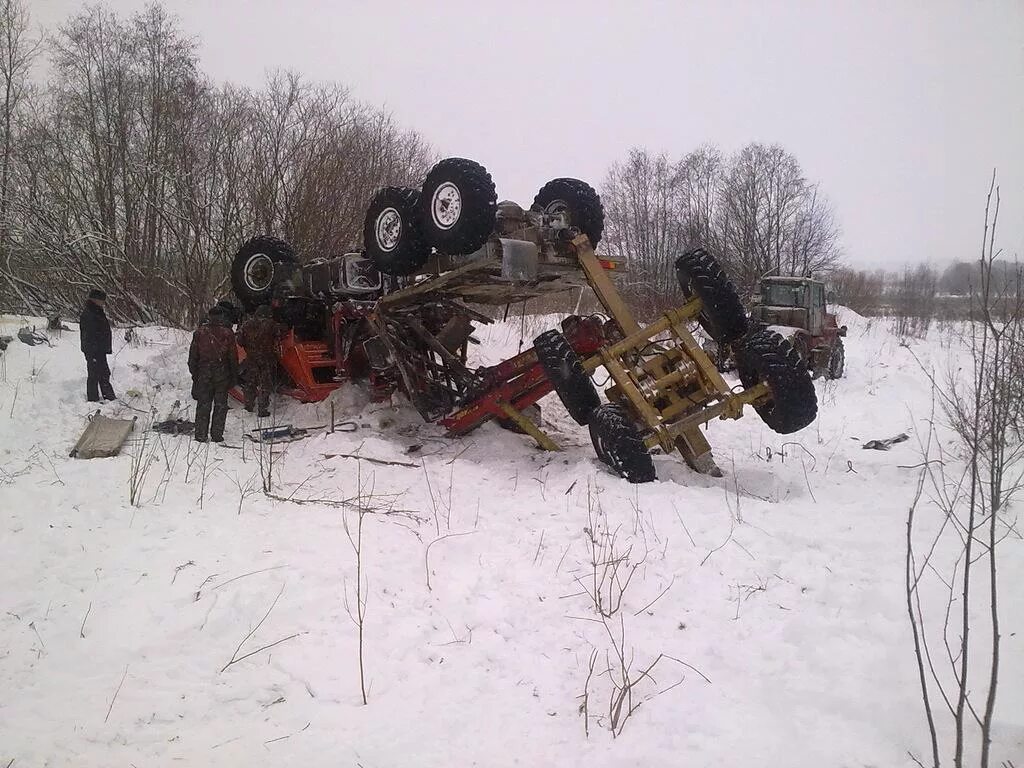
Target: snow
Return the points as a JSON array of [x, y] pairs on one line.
[[784, 584]]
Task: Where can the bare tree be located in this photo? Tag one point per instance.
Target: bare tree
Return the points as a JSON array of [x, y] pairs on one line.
[[18, 51], [643, 223], [755, 212], [136, 173], [913, 301], [857, 289], [772, 220], [979, 403]]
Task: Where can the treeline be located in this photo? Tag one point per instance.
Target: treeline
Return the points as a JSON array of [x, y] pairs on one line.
[[917, 296], [755, 211], [131, 170]]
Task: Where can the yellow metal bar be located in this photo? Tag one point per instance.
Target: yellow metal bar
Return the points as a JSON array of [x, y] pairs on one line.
[[708, 371], [636, 339], [694, 446], [603, 285], [529, 427], [628, 389], [683, 403], [671, 379], [730, 407]]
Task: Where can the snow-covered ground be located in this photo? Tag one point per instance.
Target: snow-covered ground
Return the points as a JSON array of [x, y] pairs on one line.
[[780, 584]]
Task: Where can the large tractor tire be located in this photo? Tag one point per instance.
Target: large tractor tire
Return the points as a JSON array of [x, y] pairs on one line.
[[837, 361], [457, 206], [254, 267], [391, 232], [802, 344], [722, 315], [766, 357], [564, 368], [579, 200], [618, 444]]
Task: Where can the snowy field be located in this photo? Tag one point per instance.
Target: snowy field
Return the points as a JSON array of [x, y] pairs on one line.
[[775, 593]]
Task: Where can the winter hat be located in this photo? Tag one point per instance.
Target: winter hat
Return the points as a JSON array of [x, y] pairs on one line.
[[98, 294], [263, 310], [217, 311]]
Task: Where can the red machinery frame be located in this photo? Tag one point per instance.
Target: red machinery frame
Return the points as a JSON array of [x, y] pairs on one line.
[[519, 382], [504, 390]]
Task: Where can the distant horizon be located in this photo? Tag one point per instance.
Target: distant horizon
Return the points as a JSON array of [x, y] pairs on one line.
[[900, 115]]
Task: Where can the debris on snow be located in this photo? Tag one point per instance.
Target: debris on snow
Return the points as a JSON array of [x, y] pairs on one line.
[[885, 445], [102, 438]]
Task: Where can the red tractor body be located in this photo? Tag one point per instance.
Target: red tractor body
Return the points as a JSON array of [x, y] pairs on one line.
[[796, 308]]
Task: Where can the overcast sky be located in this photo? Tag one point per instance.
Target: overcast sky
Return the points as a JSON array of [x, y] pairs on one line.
[[899, 109]]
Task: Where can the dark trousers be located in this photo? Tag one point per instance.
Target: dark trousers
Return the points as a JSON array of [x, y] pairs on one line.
[[211, 395], [259, 384], [98, 379]]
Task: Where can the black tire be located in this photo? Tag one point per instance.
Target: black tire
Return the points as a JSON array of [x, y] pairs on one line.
[[837, 361], [767, 357], [565, 370], [579, 199], [391, 232], [457, 206], [254, 268], [721, 356], [722, 315], [802, 344], [618, 444]]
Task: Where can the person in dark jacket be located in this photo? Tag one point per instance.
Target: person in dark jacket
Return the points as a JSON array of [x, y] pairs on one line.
[[213, 363], [259, 336], [96, 345]]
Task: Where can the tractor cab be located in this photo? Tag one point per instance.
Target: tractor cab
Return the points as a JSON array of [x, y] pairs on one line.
[[798, 302]]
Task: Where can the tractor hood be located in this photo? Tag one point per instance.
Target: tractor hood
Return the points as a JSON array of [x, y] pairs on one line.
[[769, 315], [786, 331]]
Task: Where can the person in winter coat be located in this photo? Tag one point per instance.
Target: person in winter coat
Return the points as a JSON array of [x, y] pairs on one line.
[[259, 336], [213, 363], [96, 345]]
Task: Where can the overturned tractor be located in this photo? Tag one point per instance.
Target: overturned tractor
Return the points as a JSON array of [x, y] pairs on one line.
[[450, 244]]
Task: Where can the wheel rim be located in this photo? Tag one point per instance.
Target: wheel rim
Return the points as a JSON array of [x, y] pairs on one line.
[[388, 229], [258, 273], [555, 207], [446, 206]]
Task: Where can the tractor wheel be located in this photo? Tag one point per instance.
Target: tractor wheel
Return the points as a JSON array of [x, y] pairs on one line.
[[565, 369], [391, 232], [721, 356], [722, 315], [767, 357], [457, 206], [252, 269], [801, 343], [837, 360], [579, 200], [618, 444], [711, 349]]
